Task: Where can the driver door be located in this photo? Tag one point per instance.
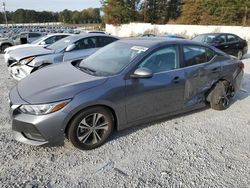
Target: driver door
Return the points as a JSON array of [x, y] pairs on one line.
[[161, 94]]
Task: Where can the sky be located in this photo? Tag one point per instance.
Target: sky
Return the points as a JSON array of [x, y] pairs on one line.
[[49, 5]]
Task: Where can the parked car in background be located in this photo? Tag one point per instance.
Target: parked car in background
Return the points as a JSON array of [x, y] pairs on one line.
[[227, 42], [22, 38], [24, 62], [5, 42], [42, 41], [126, 83], [26, 37]]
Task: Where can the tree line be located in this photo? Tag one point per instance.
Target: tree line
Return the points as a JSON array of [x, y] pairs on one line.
[[225, 12], [209, 12], [90, 15]]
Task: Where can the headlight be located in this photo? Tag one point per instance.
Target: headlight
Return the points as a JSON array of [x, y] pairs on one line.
[[26, 60], [43, 109]]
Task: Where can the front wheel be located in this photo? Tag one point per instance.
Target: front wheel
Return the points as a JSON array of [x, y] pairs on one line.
[[4, 47], [91, 128]]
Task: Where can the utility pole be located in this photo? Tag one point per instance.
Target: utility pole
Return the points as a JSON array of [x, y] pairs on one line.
[[245, 16], [5, 16]]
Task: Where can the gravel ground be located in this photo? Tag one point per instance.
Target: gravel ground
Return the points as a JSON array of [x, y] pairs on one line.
[[202, 149]]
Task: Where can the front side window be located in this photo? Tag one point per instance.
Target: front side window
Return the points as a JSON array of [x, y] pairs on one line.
[[221, 39], [50, 40], [86, 43], [195, 55], [162, 60], [205, 38]]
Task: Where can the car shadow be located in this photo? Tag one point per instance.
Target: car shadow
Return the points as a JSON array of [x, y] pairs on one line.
[[130, 130], [247, 56], [245, 89], [241, 95]]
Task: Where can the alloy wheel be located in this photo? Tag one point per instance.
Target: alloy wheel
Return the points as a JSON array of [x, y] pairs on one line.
[[91, 130]]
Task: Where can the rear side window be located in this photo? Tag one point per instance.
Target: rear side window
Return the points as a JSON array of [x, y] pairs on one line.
[[103, 41], [232, 38], [195, 55]]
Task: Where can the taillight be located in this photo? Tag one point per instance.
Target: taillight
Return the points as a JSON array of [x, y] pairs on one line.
[[242, 66]]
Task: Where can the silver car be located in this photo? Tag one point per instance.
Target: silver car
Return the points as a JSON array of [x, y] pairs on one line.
[[42, 41], [23, 62]]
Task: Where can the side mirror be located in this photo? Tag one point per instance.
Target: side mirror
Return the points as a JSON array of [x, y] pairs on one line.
[[43, 43], [142, 73], [70, 48]]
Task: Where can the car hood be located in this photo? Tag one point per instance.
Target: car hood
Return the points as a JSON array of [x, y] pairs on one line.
[[20, 53], [7, 50], [56, 82]]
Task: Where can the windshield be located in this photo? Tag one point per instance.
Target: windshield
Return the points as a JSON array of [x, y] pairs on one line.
[[39, 40], [62, 44], [204, 38], [111, 59]]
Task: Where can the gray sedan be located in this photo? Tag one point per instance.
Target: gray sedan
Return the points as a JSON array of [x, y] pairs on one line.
[[23, 62], [126, 83]]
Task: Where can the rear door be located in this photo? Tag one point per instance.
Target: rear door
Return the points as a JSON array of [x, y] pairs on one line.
[[84, 48], [202, 70], [233, 43], [161, 94]]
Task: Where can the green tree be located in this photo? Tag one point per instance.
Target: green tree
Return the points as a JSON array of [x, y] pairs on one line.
[[116, 12]]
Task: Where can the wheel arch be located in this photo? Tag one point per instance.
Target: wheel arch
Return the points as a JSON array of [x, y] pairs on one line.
[[209, 92], [92, 106]]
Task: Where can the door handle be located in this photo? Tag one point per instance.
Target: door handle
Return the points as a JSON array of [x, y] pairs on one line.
[[226, 46], [176, 79]]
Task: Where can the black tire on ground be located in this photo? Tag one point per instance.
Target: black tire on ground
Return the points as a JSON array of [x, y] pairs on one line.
[[4, 46], [220, 96], [91, 128]]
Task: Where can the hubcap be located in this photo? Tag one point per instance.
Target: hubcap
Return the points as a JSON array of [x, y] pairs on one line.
[[92, 129]]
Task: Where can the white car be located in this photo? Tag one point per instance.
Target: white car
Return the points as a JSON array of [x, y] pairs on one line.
[[23, 62], [42, 41]]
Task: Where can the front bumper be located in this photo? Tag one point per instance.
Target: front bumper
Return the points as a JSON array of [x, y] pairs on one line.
[[6, 58], [18, 72], [43, 130]]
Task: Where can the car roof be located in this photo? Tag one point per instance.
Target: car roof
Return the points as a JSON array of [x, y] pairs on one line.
[[216, 34], [83, 35], [58, 34], [155, 41]]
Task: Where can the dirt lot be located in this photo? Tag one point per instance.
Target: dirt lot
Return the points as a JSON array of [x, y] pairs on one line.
[[202, 149]]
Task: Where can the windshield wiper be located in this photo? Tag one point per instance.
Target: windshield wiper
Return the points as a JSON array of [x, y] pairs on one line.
[[91, 71]]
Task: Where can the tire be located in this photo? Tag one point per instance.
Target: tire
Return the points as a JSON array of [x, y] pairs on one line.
[[4, 46], [84, 134], [220, 96], [240, 54]]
